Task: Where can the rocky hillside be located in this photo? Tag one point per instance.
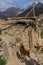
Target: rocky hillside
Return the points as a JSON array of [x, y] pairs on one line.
[[11, 12], [38, 10]]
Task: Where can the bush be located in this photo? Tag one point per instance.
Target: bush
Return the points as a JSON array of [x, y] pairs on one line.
[[42, 34], [0, 31], [2, 61], [41, 22]]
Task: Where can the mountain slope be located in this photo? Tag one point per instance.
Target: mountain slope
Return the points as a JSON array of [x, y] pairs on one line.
[[11, 12], [38, 10]]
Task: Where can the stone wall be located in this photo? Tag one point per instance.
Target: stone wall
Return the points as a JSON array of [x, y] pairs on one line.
[[28, 37], [15, 35]]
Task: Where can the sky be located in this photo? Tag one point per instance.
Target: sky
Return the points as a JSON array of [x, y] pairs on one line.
[[5, 4]]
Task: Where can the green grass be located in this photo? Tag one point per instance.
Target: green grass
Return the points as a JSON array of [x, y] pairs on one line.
[[8, 34]]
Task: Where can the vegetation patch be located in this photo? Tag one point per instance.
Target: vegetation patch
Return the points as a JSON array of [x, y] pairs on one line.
[[2, 61], [41, 34], [0, 31], [41, 22]]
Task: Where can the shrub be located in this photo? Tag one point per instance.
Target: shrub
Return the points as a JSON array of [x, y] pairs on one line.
[[0, 31], [2, 61], [42, 34]]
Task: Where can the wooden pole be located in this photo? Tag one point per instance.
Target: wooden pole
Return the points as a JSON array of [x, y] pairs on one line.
[[33, 9]]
